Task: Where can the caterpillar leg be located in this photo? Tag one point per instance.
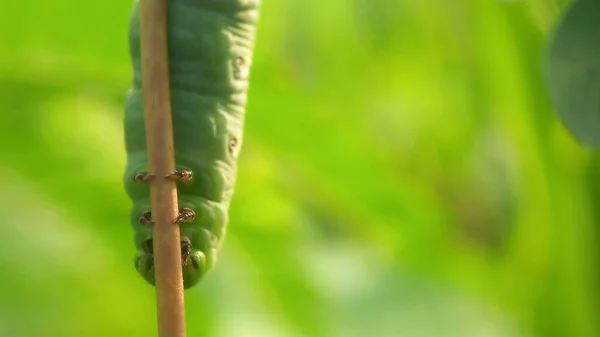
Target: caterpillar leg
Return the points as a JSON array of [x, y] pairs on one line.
[[143, 177], [185, 215], [181, 176], [186, 249], [148, 248], [146, 218]]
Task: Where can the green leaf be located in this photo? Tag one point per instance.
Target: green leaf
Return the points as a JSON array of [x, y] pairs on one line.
[[573, 71]]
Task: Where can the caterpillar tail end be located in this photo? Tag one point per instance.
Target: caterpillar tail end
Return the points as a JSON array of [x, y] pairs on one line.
[[195, 266]]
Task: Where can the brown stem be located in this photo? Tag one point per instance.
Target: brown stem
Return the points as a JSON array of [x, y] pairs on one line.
[[159, 135]]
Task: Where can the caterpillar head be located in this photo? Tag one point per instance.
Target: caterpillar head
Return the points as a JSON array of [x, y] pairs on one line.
[[194, 264]]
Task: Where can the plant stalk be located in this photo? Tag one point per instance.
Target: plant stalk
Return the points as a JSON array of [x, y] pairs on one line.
[[161, 161]]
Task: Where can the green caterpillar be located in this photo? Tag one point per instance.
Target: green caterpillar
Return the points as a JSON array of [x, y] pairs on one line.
[[210, 47]]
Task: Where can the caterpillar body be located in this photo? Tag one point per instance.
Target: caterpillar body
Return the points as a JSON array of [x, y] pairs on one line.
[[210, 47]]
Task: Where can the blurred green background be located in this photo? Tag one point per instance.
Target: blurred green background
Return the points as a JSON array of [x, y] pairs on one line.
[[402, 175]]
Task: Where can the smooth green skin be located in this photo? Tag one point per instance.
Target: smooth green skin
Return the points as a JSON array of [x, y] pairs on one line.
[[573, 70], [210, 53]]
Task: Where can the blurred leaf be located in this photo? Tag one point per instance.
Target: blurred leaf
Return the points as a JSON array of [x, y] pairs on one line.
[[574, 70]]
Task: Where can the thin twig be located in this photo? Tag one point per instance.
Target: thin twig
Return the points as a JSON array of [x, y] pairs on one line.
[[159, 135]]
